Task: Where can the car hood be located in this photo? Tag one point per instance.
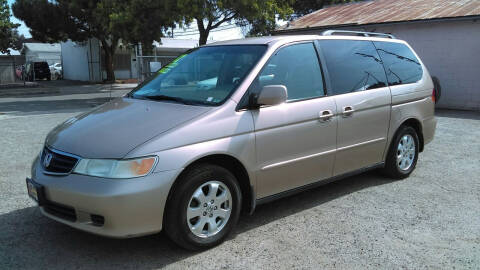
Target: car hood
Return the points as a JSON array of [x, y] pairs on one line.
[[117, 127]]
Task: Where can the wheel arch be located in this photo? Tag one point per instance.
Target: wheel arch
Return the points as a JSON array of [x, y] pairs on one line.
[[417, 125], [232, 164]]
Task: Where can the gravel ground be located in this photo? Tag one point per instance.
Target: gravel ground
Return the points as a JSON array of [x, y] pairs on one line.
[[430, 220]]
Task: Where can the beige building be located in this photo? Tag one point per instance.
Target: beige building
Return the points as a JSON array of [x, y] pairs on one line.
[[445, 34]]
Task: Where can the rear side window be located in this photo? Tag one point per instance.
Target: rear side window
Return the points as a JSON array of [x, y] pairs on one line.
[[353, 65], [296, 67], [400, 63]]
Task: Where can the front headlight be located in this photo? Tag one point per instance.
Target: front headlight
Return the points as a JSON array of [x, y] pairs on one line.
[[110, 168]]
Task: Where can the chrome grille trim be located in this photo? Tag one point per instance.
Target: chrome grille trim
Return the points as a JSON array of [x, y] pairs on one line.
[[57, 157]]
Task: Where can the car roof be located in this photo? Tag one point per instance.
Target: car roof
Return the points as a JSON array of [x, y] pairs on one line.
[[269, 40], [261, 40]]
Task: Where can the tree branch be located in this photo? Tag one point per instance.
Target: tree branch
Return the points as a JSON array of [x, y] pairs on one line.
[[209, 26], [225, 19]]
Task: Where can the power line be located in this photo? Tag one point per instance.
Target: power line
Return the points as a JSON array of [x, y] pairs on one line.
[[197, 32], [194, 30]]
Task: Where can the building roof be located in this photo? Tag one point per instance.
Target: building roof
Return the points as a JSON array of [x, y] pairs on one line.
[[43, 47], [384, 11]]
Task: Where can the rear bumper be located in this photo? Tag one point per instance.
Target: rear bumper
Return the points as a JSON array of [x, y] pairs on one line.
[[429, 126], [129, 207]]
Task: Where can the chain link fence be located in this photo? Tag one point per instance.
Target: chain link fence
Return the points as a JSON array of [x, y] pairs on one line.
[[149, 65], [11, 69], [14, 69]]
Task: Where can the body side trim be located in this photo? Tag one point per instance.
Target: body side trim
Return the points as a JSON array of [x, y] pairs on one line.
[[316, 184], [360, 144], [278, 164]]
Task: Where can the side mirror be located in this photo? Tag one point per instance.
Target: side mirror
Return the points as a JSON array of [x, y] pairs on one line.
[[272, 95]]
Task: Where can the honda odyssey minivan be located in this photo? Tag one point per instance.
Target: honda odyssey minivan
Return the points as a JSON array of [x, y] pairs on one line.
[[230, 125]]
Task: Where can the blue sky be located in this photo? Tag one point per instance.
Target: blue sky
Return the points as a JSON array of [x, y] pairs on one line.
[[23, 29]]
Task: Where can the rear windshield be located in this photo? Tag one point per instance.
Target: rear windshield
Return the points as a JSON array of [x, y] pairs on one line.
[[400, 63], [205, 76]]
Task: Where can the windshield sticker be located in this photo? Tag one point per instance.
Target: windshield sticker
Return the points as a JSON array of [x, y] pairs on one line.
[[173, 64], [209, 99]]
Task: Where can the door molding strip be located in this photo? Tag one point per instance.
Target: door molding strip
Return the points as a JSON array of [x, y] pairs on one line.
[[283, 163], [361, 144]]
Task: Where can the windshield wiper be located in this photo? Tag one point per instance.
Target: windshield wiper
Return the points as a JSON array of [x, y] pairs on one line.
[[170, 98]]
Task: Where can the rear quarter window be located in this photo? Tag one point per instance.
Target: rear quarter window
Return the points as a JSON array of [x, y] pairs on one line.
[[401, 65], [352, 65]]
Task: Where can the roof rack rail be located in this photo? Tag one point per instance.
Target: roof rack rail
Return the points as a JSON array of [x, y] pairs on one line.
[[356, 33]]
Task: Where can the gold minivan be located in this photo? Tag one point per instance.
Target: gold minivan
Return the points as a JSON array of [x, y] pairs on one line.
[[234, 124]]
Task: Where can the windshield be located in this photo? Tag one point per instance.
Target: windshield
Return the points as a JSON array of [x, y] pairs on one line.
[[205, 76]]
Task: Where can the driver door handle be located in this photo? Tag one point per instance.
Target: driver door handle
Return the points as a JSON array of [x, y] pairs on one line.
[[325, 115], [347, 111]]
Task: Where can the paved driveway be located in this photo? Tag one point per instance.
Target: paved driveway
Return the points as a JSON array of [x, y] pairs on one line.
[[431, 219]]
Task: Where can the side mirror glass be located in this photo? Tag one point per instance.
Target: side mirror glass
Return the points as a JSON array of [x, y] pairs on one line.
[[272, 95]]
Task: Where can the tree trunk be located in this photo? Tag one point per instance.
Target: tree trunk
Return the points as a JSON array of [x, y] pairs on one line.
[[109, 63], [109, 67], [203, 38], [203, 31]]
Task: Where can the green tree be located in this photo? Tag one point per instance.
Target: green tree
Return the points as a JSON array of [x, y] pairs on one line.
[[110, 21], [210, 14], [8, 32]]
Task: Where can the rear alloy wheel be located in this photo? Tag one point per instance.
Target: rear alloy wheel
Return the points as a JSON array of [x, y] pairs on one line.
[[403, 153], [203, 207]]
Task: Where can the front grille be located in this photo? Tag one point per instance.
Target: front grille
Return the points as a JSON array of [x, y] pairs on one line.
[[57, 163], [60, 211]]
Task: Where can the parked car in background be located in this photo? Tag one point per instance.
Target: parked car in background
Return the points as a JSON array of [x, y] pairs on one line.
[[56, 71], [232, 125], [38, 71]]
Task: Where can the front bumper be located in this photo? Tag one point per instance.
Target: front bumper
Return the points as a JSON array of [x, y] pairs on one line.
[[130, 207]]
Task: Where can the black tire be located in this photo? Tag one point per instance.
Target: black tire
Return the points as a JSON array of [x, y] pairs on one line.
[[391, 168], [175, 220]]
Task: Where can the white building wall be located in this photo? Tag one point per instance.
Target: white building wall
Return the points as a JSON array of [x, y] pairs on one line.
[[451, 52], [81, 61], [74, 61]]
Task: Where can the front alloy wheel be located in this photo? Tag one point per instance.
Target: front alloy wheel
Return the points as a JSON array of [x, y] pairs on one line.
[[209, 209], [203, 207]]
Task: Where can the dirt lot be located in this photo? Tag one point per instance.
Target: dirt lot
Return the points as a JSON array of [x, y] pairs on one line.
[[430, 220]]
